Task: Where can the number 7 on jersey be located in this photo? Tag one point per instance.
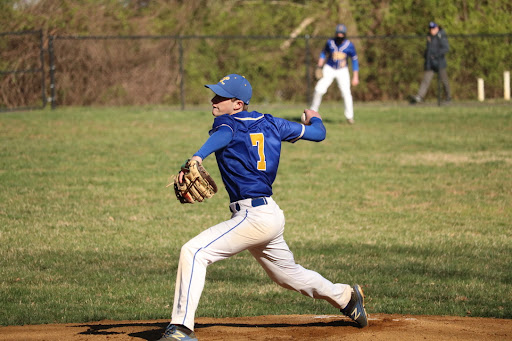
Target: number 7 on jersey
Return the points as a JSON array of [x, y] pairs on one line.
[[258, 140]]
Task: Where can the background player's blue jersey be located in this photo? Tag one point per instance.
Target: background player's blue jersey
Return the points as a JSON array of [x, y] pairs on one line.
[[248, 164], [337, 55]]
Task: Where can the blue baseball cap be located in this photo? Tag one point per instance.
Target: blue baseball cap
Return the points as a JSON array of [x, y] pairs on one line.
[[432, 24], [340, 28], [233, 86]]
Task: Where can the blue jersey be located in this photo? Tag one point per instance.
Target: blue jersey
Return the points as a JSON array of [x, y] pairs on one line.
[[337, 55], [248, 164]]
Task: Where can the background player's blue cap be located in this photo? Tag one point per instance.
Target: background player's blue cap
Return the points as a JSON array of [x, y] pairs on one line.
[[432, 24], [233, 86], [340, 28]]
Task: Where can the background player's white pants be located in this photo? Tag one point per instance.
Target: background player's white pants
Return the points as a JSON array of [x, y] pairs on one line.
[[259, 230], [342, 77]]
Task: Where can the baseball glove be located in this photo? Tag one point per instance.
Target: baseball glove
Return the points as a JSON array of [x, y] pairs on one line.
[[197, 184], [318, 73]]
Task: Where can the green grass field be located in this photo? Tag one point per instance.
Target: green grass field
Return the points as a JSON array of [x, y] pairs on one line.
[[413, 203]]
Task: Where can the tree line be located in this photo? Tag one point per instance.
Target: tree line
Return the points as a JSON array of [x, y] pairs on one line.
[[264, 40]]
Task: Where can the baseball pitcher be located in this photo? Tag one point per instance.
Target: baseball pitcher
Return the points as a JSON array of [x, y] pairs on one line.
[[247, 146]]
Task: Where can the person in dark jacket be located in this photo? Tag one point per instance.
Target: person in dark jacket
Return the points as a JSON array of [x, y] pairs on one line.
[[437, 47]]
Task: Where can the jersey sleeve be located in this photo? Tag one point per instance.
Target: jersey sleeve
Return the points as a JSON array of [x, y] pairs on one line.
[[294, 131], [219, 139], [353, 55], [325, 51], [316, 131]]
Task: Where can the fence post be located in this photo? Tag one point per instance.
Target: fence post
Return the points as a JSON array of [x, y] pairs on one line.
[[182, 74], [41, 57], [481, 92], [506, 85], [52, 71]]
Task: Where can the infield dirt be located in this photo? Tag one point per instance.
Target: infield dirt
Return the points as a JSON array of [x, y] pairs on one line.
[[278, 327]]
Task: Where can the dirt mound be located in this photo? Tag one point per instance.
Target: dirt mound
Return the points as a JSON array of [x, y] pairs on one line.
[[278, 327]]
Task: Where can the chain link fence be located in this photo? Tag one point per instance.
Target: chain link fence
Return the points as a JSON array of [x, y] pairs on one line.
[[171, 70], [22, 72]]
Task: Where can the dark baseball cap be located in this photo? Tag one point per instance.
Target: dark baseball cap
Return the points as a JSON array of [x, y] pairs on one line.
[[340, 28], [432, 24], [233, 86]]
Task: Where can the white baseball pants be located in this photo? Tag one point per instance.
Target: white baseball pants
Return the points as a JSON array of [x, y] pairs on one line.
[[259, 230], [342, 77]]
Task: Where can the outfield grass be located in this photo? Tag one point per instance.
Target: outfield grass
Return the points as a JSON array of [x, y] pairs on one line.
[[413, 203]]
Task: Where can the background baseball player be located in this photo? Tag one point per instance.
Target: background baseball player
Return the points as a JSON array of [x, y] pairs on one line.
[[247, 147], [333, 64]]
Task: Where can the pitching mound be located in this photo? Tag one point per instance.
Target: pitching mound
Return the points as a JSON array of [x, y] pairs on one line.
[[278, 327]]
